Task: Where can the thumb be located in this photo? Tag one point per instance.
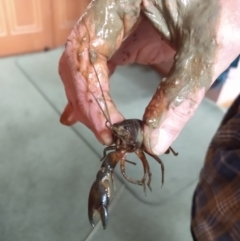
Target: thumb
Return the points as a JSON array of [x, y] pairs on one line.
[[161, 131], [177, 97]]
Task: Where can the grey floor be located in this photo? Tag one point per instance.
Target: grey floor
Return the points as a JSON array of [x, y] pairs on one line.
[[46, 169]]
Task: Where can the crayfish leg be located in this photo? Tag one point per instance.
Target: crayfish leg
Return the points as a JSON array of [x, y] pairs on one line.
[[109, 148], [146, 167], [167, 151], [161, 164], [129, 179], [171, 150], [133, 163]]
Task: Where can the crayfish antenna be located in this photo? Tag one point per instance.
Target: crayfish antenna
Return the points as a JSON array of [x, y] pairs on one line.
[[91, 53]]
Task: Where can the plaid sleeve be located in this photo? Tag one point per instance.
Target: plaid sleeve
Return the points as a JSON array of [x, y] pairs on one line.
[[216, 201]]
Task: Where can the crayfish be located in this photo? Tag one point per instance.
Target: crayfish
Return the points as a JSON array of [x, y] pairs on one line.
[[128, 137]]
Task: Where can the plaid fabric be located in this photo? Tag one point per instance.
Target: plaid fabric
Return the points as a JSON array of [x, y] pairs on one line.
[[216, 201]]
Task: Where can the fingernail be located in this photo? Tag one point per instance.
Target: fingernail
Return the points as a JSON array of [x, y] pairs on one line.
[[67, 117], [160, 141], [68, 120], [106, 138]]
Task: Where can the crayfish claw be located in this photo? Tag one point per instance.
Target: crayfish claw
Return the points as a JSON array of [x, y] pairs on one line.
[[91, 215], [99, 197], [104, 216], [103, 211], [91, 220]]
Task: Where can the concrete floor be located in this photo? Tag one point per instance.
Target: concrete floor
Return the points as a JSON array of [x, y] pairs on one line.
[[46, 169]]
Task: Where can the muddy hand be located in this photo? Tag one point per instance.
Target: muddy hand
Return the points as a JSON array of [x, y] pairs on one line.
[[205, 35]]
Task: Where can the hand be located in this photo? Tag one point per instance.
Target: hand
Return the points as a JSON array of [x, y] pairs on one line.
[[203, 36]]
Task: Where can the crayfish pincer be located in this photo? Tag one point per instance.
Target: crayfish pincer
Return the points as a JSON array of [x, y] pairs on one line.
[[100, 193]]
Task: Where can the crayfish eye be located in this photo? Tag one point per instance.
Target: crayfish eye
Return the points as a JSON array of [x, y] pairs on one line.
[[115, 125], [127, 128]]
